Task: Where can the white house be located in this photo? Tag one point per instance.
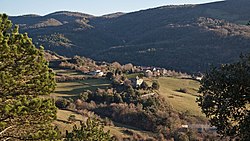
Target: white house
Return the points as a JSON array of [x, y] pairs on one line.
[[97, 73], [136, 82]]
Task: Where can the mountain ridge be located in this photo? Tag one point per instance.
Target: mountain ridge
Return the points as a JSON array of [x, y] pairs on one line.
[[186, 37]]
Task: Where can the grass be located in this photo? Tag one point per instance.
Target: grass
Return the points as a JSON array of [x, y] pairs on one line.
[[74, 88], [182, 102], [63, 125], [133, 75], [69, 72], [168, 88], [62, 120]]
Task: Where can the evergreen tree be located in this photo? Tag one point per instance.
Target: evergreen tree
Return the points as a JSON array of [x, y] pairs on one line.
[[92, 130], [24, 78]]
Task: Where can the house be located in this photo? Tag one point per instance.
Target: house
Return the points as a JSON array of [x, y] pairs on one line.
[[198, 78], [136, 82], [184, 126], [97, 73], [148, 73]]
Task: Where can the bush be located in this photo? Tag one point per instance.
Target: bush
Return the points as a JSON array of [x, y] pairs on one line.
[[155, 85], [144, 85], [180, 136], [72, 118], [91, 130], [183, 90], [62, 103]]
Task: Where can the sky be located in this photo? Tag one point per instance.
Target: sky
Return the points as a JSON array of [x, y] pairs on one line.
[[93, 7]]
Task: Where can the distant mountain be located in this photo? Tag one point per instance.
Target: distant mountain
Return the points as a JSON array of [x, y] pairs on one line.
[[186, 37]]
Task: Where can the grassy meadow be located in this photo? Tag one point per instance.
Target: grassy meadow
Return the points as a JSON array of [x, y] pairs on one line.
[[117, 130], [74, 88], [183, 102]]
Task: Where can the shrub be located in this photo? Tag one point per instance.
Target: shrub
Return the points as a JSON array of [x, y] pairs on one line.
[[183, 90], [62, 103], [72, 118], [155, 85], [89, 131]]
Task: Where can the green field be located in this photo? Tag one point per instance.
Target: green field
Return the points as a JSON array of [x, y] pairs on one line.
[[71, 89], [183, 102], [69, 72], [74, 88]]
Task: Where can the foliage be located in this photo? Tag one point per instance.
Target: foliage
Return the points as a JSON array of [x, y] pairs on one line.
[[62, 103], [151, 42], [109, 75], [155, 85], [110, 96], [144, 85], [248, 23], [225, 98], [72, 118], [24, 76], [92, 130], [181, 137], [183, 90]]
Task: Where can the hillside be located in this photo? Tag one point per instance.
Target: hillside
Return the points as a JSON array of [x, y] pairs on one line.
[[187, 38]]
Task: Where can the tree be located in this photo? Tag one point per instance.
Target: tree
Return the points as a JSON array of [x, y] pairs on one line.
[[72, 118], [225, 98], [144, 85], [110, 75], [92, 130], [24, 77], [128, 68], [116, 65], [248, 23], [155, 85], [180, 136]]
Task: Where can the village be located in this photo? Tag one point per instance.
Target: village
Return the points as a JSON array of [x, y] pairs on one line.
[[93, 68]]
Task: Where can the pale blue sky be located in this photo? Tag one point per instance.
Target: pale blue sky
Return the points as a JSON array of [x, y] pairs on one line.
[[94, 7]]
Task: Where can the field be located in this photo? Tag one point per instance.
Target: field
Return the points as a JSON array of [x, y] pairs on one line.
[[183, 102], [118, 130], [71, 89], [169, 86], [74, 88]]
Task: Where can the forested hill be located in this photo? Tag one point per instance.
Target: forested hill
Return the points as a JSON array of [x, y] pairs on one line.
[[186, 38]]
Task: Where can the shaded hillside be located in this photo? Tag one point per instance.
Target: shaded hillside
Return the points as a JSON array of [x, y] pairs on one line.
[[187, 38]]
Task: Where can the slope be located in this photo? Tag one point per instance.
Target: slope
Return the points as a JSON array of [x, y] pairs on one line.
[[187, 38]]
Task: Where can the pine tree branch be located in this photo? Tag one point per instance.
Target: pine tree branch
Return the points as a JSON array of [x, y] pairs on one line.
[[6, 129], [3, 119], [7, 139]]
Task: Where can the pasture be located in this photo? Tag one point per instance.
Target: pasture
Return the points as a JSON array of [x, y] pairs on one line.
[[182, 102], [74, 88]]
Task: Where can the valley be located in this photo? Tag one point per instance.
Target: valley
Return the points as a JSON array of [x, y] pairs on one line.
[[187, 38], [77, 84], [169, 73]]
